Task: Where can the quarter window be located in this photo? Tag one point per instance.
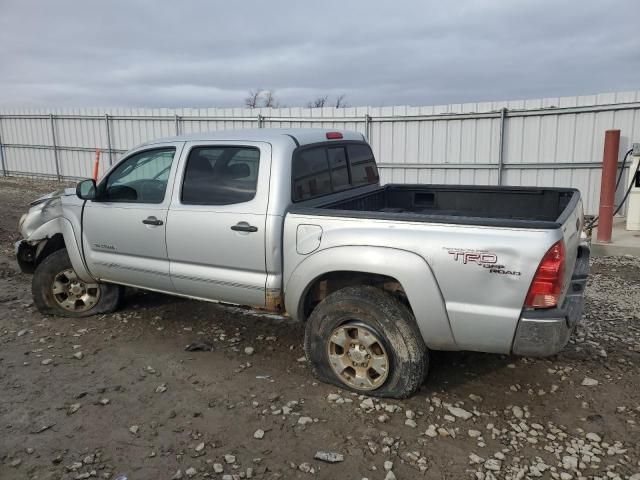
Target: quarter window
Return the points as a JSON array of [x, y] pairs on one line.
[[220, 175], [141, 178]]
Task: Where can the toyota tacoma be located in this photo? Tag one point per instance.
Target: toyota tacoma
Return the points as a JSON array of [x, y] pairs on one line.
[[297, 222]]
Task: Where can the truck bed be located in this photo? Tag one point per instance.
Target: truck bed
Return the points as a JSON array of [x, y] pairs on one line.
[[520, 207]]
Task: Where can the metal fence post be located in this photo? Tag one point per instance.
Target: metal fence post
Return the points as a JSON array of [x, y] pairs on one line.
[[260, 121], [109, 149], [55, 146], [177, 122], [367, 127], [4, 166], [503, 118]]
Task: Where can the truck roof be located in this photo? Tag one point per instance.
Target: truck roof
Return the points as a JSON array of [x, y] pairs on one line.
[[303, 136]]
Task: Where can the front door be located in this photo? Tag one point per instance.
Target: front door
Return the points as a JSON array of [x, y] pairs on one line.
[[216, 222], [124, 229]]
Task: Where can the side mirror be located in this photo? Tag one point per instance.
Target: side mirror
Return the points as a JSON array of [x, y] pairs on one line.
[[86, 189]]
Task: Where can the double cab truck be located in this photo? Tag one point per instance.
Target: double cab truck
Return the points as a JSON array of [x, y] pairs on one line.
[[297, 222]]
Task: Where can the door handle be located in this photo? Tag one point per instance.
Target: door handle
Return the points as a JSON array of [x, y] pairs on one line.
[[152, 221], [244, 227]]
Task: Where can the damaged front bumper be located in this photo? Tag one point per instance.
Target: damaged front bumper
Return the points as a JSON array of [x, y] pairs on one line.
[[542, 333], [41, 211], [26, 255]]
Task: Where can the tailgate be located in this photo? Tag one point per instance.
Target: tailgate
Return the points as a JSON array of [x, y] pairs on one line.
[[577, 261]]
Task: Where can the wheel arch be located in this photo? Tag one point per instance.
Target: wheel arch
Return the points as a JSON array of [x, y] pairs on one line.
[[55, 235], [409, 271], [327, 283]]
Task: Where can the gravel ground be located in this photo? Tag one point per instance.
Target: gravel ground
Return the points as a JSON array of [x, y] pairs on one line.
[[119, 395]]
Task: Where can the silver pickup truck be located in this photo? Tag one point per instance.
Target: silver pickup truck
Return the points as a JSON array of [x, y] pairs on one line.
[[296, 222]]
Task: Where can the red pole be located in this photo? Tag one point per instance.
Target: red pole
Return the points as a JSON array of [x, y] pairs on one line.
[[608, 184]]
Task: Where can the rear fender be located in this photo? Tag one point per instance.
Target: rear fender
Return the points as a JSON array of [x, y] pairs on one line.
[[63, 226], [411, 270]]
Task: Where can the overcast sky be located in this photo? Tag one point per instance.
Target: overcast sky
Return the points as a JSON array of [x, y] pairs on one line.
[[211, 53]]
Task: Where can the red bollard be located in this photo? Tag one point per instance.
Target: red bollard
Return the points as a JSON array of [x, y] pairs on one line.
[[608, 185]]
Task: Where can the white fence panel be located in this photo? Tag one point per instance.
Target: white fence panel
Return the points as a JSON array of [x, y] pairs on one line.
[[540, 142], [31, 162]]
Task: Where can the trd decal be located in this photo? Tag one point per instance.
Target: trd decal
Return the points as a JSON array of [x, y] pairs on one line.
[[474, 257], [482, 258]]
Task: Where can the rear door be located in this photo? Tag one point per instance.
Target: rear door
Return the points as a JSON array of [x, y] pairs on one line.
[[123, 233], [216, 222]]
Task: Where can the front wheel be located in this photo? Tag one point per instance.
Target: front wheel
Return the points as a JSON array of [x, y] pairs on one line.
[[365, 340], [57, 290]]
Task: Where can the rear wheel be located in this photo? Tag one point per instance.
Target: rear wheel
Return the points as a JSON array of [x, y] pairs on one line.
[[365, 340], [57, 290]]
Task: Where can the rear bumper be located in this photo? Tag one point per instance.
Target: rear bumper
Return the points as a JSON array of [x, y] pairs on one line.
[[545, 332]]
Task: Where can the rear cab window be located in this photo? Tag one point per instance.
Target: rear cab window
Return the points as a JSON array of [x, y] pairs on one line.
[[327, 168], [339, 168], [311, 174], [363, 166]]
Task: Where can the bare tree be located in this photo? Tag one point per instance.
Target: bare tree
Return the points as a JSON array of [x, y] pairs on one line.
[[261, 98], [270, 99], [323, 101], [318, 102], [253, 98], [340, 101]]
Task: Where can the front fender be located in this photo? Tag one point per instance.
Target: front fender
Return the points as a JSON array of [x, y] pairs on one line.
[[411, 270], [63, 226]]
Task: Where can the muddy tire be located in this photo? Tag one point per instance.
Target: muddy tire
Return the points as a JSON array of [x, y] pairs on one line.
[[365, 340], [57, 290]]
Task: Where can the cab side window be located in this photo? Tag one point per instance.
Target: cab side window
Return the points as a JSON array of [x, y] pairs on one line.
[[220, 175], [141, 178]]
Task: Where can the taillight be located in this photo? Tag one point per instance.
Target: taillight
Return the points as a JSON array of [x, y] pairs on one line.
[[334, 136], [546, 286]]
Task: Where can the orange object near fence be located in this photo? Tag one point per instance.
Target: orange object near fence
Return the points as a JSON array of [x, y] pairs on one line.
[[96, 165]]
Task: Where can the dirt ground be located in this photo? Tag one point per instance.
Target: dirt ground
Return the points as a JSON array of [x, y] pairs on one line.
[[118, 394]]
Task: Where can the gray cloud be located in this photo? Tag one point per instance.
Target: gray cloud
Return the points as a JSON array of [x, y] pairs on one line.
[[210, 53]]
